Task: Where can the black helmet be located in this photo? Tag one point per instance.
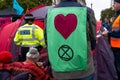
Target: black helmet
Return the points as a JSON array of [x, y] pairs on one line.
[[29, 17]]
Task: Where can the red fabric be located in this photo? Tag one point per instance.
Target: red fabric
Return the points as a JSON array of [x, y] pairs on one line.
[[5, 57], [8, 31], [98, 25], [65, 25], [93, 51], [39, 23], [7, 34], [5, 20], [28, 66]]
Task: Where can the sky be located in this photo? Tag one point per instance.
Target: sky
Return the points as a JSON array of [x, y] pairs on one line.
[[98, 6]]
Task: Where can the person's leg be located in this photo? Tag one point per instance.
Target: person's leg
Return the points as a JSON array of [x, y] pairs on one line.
[[117, 60], [39, 48], [24, 51], [63, 79], [91, 77]]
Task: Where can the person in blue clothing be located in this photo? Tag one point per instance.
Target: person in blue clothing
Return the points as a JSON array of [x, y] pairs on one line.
[[106, 23], [114, 36], [76, 74]]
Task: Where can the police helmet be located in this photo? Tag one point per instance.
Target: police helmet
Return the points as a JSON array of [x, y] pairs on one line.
[[29, 17]]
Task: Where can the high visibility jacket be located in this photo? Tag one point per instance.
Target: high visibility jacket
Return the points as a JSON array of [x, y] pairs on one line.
[[115, 42], [29, 36]]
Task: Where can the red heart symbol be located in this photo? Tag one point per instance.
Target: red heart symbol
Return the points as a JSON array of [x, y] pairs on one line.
[[65, 25]]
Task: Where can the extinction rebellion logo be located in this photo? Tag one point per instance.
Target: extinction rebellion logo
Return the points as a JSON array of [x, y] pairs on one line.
[[65, 53]]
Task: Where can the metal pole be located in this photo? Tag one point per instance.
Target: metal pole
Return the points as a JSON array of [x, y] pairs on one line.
[[91, 5], [111, 4]]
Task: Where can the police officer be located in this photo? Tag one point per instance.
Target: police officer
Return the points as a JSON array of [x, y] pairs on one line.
[[29, 35]]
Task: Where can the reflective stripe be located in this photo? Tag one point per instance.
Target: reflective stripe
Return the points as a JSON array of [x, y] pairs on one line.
[[17, 41], [32, 45], [43, 43], [29, 17], [33, 30], [27, 39], [29, 26], [42, 40], [30, 40], [115, 43]]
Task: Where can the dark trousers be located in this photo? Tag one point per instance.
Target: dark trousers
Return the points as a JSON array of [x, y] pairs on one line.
[[90, 77], [24, 51], [116, 52], [5, 75]]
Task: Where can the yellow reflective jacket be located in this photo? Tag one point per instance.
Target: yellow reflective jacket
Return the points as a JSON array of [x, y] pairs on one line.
[[29, 36]]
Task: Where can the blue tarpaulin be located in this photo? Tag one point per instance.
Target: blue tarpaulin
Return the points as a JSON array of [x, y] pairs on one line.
[[17, 7]]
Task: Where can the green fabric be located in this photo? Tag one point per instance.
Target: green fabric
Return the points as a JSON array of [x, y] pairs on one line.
[[58, 45]]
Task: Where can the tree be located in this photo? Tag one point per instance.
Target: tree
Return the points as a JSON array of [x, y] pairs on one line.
[[26, 4], [107, 13], [48, 2]]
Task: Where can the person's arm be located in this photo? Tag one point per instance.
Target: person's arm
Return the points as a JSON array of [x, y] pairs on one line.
[[38, 72], [45, 31], [16, 38], [114, 34], [40, 36], [18, 66], [92, 28]]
